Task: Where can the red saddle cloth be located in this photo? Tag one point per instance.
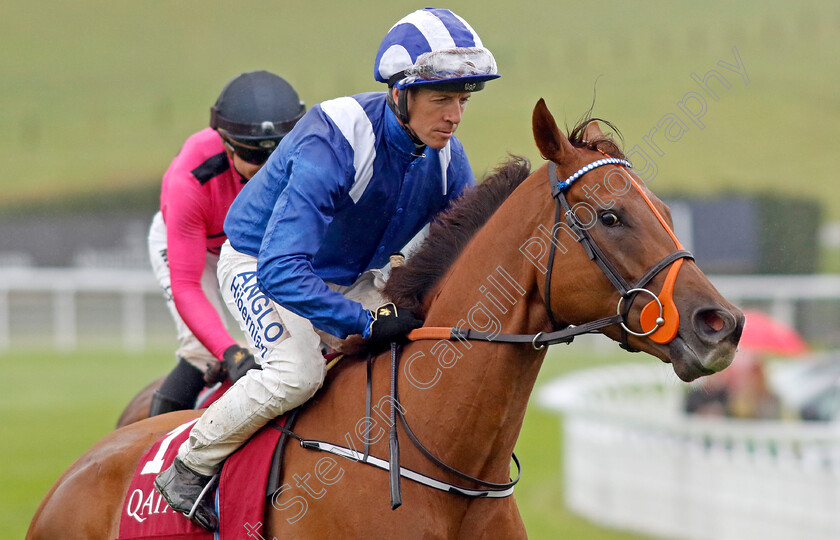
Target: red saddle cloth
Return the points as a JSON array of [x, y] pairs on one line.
[[207, 396], [240, 496]]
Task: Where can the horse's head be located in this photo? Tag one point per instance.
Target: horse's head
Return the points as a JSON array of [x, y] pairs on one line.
[[631, 262]]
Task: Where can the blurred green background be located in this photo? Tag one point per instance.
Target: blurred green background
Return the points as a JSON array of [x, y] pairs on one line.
[[97, 97]]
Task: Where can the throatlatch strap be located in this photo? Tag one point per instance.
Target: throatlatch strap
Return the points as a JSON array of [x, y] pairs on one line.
[[552, 250]]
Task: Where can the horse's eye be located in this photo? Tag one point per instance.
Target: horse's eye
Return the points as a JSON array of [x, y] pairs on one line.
[[610, 219]]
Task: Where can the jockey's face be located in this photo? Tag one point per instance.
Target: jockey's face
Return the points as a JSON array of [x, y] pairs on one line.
[[434, 115], [245, 169]]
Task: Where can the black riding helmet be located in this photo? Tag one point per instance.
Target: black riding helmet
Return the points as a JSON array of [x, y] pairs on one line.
[[254, 112]]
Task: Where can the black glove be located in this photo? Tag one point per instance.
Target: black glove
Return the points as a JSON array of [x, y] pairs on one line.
[[215, 373], [391, 323], [237, 361]]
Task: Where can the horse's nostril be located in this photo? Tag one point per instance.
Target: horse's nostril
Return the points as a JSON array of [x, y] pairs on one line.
[[713, 324], [713, 321]]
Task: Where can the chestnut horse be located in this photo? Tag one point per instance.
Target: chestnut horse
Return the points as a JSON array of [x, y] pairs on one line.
[[486, 265], [138, 408]]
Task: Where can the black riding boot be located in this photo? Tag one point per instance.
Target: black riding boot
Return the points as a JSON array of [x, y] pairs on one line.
[[188, 492], [179, 390]]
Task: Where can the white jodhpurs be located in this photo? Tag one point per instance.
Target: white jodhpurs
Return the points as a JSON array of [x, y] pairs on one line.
[[190, 348], [286, 346]]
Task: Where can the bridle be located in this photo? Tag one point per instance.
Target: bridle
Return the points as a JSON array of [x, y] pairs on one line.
[[660, 328], [659, 318]]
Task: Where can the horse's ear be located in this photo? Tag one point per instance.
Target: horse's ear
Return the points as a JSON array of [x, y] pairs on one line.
[[550, 140], [593, 132]]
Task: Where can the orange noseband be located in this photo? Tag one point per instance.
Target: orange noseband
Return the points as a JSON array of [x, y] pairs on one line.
[[650, 313]]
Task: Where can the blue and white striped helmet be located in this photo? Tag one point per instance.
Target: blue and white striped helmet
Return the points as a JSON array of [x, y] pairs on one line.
[[434, 47]]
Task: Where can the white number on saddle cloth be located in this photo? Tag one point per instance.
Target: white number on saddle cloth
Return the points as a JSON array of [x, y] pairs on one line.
[[154, 465]]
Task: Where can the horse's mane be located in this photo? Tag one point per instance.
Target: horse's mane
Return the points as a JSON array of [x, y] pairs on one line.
[[450, 231]]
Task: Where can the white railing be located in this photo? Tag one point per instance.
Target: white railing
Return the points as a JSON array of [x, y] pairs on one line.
[[782, 292], [137, 290], [634, 461], [63, 287]]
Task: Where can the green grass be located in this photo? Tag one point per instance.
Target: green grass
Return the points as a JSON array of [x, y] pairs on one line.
[[53, 407], [540, 446], [830, 261], [98, 96]]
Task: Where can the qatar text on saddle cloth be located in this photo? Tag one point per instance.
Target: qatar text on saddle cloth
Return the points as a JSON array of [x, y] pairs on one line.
[[244, 476]]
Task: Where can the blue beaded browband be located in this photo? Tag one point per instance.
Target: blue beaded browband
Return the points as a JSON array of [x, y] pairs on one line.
[[564, 185]]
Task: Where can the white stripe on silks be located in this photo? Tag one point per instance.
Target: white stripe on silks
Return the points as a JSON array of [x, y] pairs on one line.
[[396, 58], [354, 124], [445, 156], [476, 39], [432, 29]]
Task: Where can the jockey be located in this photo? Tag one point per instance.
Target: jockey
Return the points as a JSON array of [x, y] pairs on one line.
[[356, 179], [253, 113]]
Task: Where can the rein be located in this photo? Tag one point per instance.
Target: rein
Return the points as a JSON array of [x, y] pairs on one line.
[[392, 465], [659, 315]]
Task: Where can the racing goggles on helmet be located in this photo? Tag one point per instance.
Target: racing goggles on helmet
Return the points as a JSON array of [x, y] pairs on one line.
[[254, 130], [463, 68], [253, 152]]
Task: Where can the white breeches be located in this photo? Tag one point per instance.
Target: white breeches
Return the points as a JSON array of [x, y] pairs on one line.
[[190, 348], [286, 346]]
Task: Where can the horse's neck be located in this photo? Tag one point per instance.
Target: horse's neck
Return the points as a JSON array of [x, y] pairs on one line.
[[492, 275], [483, 389]]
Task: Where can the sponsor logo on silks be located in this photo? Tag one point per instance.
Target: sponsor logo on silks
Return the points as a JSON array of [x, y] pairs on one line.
[[141, 506], [238, 356], [254, 305]]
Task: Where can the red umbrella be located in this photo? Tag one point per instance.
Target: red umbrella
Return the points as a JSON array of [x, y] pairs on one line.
[[765, 335]]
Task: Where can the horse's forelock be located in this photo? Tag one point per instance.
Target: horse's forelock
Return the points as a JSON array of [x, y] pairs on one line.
[[605, 144]]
